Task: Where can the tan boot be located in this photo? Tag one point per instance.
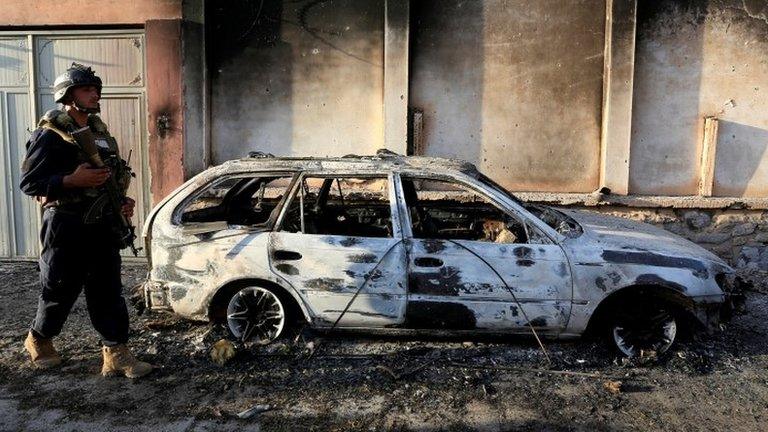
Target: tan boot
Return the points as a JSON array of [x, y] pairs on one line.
[[42, 352], [118, 360]]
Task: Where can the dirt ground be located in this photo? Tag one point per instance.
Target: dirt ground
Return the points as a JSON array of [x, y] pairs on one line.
[[352, 382]]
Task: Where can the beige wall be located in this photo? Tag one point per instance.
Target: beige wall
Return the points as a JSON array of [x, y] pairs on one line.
[[86, 12], [513, 86], [308, 81], [697, 59]]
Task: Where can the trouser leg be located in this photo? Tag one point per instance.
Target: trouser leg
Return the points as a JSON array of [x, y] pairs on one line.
[[104, 297], [61, 278]]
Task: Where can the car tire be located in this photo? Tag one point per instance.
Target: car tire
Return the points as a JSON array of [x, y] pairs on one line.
[[257, 315], [642, 329]]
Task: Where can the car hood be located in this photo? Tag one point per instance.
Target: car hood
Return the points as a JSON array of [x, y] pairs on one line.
[[615, 233]]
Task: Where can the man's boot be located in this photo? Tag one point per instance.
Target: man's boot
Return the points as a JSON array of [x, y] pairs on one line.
[[41, 351], [118, 360]]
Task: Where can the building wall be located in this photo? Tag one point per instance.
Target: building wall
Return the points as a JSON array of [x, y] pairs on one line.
[[86, 12], [161, 20], [698, 58], [296, 78], [513, 86]]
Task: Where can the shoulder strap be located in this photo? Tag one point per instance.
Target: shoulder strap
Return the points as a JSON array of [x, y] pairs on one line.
[[64, 135], [95, 122], [59, 122]]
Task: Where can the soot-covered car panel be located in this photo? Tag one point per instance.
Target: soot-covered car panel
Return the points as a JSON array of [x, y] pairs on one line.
[[399, 243]]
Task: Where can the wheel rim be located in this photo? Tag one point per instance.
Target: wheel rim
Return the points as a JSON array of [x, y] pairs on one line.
[[255, 315], [653, 333]]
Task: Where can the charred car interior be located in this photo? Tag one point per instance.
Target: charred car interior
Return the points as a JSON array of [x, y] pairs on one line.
[[237, 201], [346, 206]]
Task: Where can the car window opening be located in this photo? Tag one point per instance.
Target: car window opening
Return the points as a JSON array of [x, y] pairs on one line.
[[346, 206], [445, 210], [248, 201]]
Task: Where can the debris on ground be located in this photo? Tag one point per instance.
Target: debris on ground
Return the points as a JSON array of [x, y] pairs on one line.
[[343, 381], [613, 387], [222, 351], [252, 411]]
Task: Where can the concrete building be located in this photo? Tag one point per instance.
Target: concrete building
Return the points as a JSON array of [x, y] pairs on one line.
[[663, 102]]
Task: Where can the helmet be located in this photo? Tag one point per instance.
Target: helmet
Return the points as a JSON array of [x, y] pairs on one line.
[[77, 75]]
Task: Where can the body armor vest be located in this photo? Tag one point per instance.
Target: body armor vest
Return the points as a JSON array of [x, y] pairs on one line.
[[62, 124]]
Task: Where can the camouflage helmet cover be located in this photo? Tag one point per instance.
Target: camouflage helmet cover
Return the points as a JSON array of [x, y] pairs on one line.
[[77, 75]]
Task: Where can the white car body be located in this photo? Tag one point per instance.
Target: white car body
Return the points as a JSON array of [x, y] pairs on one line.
[[404, 283]]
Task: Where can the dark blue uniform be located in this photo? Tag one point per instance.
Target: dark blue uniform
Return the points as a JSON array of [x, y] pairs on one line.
[[75, 255]]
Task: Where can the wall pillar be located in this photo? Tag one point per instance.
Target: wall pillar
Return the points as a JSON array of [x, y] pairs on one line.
[[396, 29], [620, 27], [164, 106], [196, 89]]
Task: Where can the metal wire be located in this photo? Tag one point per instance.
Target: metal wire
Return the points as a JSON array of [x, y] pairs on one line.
[[514, 297]]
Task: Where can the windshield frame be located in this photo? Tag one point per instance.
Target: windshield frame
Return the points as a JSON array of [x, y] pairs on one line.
[[498, 188]]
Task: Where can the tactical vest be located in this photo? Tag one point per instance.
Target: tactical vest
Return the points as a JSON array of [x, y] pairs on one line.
[[62, 124]]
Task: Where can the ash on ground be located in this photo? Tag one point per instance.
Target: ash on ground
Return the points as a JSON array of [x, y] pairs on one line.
[[315, 381]]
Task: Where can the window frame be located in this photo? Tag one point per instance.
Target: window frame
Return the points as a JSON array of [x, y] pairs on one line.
[[522, 216], [268, 225], [395, 217]]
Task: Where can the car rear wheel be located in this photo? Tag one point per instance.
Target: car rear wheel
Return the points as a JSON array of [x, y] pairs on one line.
[[643, 330], [256, 315]]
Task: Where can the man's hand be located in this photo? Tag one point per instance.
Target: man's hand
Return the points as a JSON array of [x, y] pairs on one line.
[[85, 177], [128, 206]]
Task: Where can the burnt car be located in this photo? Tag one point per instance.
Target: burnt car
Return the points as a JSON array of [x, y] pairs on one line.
[[398, 244]]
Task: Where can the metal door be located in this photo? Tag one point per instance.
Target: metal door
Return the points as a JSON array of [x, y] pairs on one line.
[[360, 279], [462, 284], [29, 63]]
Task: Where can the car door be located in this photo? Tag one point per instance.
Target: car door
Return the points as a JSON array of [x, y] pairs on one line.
[[339, 244], [473, 264]]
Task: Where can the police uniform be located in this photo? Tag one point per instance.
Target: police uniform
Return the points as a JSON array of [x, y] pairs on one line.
[[79, 246]]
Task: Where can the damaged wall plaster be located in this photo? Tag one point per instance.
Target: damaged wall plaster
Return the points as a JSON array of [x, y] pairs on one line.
[[297, 78], [513, 86], [699, 58]]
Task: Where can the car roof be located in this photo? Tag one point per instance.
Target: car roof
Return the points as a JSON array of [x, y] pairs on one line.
[[384, 160]]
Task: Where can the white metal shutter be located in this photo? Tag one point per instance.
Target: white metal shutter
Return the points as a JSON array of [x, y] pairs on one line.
[[118, 58]]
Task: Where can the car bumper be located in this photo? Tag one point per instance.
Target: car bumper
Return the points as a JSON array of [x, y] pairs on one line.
[[713, 310]]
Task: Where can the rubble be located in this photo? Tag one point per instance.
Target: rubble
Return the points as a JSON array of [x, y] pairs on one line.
[[222, 351], [256, 409], [613, 387], [345, 386]]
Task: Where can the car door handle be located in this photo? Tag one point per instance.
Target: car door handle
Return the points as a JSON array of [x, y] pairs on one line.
[[285, 255], [428, 262]]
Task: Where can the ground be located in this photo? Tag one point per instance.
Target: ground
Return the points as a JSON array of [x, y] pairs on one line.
[[351, 382]]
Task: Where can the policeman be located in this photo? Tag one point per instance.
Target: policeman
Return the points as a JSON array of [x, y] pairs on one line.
[[80, 250]]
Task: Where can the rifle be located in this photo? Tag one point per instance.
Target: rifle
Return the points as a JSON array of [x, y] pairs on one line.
[[113, 195]]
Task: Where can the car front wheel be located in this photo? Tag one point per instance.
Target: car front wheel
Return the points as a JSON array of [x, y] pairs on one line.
[[256, 315], [643, 330]]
